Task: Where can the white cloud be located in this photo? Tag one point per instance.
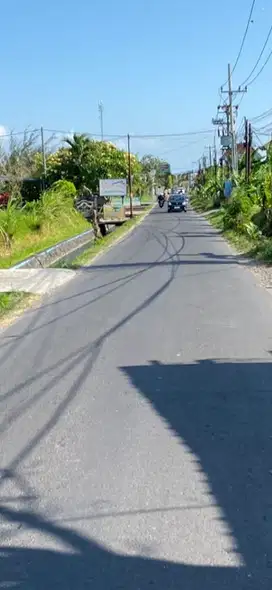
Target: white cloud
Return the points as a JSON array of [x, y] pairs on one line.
[[3, 130], [121, 144]]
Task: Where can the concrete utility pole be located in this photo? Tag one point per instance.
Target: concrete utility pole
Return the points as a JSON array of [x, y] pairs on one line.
[[249, 150], [209, 147], [246, 148], [101, 113], [129, 177], [232, 129], [210, 155], [230, 119], [43, 157], [215, 157]]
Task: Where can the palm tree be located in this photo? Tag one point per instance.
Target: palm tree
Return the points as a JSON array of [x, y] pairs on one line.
[[80, 148]]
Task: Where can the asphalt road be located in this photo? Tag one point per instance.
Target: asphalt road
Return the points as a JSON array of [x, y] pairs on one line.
[[136, 431]]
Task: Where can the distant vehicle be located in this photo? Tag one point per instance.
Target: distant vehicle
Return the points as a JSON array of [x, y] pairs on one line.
[[161, 201], [177, 202]]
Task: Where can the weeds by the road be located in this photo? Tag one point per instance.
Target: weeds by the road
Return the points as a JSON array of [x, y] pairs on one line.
[[244, 204], [39, 225], [11, 300], [260, 250]]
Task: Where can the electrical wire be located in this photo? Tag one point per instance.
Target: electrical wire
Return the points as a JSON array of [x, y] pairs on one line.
[[262, 145], [26, 132], [245, 36], [136, 136], [259, 58], [262, 69], [267, 126], [82, 133], [261, 116], [180, 147], [204, 131], [243, 39]]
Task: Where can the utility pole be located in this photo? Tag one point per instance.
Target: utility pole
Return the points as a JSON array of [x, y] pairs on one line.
[[249, 150], [215, 158], [43, 157], [129, 177], [101, 113], [246, 150], [230, 118], [232, 129], [210, 155]]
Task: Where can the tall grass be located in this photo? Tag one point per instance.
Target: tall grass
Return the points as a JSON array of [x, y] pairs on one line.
[[37, 225]]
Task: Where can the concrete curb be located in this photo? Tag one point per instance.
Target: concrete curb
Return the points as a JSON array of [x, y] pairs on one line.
[[62, 250], [47, 257]]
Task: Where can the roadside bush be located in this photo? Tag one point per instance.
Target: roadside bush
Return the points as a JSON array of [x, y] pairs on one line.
[[58, 201], [65, 189], [238, 212], [9, 218]]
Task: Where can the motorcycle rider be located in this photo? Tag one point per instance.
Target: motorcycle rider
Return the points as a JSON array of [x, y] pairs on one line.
[[160, 198]]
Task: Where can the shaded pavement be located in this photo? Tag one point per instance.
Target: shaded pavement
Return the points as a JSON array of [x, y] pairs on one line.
[[136, 437]]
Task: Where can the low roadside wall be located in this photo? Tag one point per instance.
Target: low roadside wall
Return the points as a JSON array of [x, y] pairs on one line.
[[50, 255]]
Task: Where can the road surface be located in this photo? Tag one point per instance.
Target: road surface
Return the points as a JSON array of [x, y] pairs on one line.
[[136, 432]]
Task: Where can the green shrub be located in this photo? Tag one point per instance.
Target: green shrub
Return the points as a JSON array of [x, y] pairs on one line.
[[65, 188], [9, 219], [57, 203], [238, 212], [252, 231]]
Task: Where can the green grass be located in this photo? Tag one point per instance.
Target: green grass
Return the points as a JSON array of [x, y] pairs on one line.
[[260, 250], [30, 236], [100, 245], [11, 300], [145, 199], [201, 205], [255, 248]]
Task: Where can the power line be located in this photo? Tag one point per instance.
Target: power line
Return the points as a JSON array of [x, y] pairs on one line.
[[260, 56], [265, 127], [243, 39], [262, 68], [134, 136], [173, 134], [258, 138], [13, 133], [65, 132], [245, 36], [262, 115], [180, 147], [266, 133]]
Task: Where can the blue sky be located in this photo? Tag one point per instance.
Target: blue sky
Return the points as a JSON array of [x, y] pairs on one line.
[[156, 66]]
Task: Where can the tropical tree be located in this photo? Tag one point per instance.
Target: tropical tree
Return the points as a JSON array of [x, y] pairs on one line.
[[84, 161], [160, 168]]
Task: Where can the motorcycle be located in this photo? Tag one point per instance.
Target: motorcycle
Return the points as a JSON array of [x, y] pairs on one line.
[[161, 201]]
